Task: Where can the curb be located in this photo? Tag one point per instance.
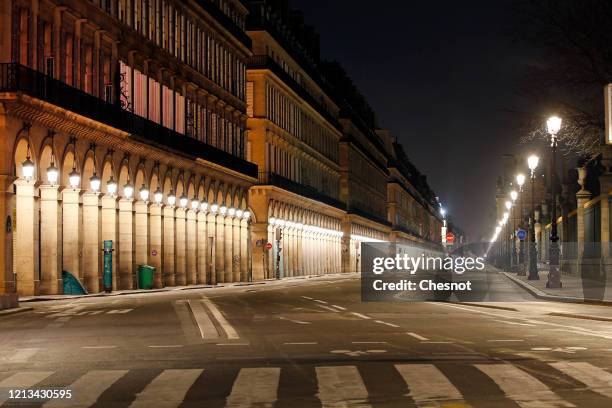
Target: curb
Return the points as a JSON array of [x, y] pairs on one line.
[[537, 293], [15, 310], [181, 288]]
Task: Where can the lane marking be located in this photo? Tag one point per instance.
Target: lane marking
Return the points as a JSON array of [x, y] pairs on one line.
[[99, 347], [417, 336], [167, 390], [331, 309], [519, 386], [369, 342], [505, 340], [87, 389], [339, 307], [514, 323], [428, 386], [594, 378], [307, 297], [166, 346], [361, 315], [203, 321], [341, 386], [320, 301], [255, 387], [228, 328], [25, 379], [297, 343], [437, 342], [233, 344], [21, 355], [386, 323], [119, 311]]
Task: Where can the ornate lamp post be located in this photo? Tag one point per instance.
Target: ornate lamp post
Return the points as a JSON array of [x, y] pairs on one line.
[[554, 276], [513, 197], [520, 180], [532, 162], [508, 235]]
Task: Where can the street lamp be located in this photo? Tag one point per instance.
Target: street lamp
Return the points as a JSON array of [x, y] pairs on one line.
[[532, 163], [94, 183], [158, 196], [195, 204], [171, 199], [74, 178], [128, 190], [513, 197], [554, 276], [27, 167], [52, 173], [520, 180], [183, 201], [144, 193], [111, 186]]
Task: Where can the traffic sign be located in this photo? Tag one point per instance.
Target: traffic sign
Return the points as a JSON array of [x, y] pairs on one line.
[[268, 246], [450, 238], [521, 234]]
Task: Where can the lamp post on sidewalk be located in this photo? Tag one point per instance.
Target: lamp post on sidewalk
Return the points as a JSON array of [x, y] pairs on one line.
[[520, 180], [513, 197], [508, 238], [554, 276], [532, 162]]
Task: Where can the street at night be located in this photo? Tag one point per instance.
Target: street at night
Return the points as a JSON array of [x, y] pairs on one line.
[[309, 342]]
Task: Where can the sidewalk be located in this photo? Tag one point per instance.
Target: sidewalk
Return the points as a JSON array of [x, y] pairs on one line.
[[575, 289], [43, 298]]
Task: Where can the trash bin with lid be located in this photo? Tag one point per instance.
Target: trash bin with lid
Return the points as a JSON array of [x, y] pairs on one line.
[[145, 276]]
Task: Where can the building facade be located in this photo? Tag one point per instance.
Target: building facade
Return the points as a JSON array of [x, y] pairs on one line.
[[203, 138], [123, 120]]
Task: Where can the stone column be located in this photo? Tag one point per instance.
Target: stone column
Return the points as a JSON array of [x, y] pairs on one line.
[[211, 248], [126, 244], [156, 243], [219, 250], [169, 257], [141, 233], [7, 278], [91, 242], [50, 241], [181, 250], [109, 231], [202, 232], [192, 248], [259, 254], [244, 249], [71, 226], [26, 241], [229, 249], [237, 256]]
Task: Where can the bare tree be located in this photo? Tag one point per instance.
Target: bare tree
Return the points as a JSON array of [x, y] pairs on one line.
[[572, 65]]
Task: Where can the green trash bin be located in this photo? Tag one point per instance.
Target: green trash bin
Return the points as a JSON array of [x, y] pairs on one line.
[[145, 276]]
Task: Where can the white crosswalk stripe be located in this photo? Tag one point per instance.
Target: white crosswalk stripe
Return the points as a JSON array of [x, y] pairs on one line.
[[19, 355], [255, 387], [337, 386], [428, 386], [86, 390], [21, 380], [167, 390], [596, 379], [522, 388], [341, 386]]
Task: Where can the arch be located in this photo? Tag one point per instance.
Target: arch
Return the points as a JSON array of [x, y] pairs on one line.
[[140, 179], [45, 162], [124, 176], [68, 163], [190, 187], [107, 172], [88, 170], [180, 186]]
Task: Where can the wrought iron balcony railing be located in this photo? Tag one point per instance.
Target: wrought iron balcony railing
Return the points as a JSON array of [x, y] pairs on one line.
[[18, 78], [267, 178]]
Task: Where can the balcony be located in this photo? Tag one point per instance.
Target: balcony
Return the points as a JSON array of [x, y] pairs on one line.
[[267, 178], [18, 78], [265, 62]]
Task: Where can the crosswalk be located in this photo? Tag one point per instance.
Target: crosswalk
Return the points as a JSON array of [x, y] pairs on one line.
[[412, 384]]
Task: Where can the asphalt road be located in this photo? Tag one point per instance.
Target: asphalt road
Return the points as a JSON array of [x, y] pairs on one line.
[[307, 343]]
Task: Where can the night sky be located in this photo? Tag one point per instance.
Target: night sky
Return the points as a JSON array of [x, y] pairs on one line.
[[442, 76]]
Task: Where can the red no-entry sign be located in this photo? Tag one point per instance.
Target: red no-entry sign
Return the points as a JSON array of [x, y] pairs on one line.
[[268, 246], [450, 238]]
